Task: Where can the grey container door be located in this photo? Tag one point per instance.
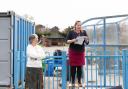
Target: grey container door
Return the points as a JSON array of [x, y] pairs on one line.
[[5, 59]]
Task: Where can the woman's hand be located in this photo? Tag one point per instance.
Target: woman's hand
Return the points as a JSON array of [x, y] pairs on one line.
[[71, 41], [86, 40], [74, 40]]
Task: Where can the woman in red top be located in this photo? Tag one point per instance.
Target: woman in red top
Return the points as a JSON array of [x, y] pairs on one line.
[[77, 51]]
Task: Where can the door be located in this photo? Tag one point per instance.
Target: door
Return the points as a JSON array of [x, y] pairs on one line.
[[5, 59]]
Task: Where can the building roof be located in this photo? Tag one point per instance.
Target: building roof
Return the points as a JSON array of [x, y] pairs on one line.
[[54, 35]]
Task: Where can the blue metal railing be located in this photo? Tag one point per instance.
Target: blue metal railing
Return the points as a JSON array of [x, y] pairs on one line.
[[96, 72], [103, 74], [125, 68], [55, 72]]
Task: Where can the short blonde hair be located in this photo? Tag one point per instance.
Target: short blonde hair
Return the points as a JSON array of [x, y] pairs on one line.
[[32, 37]]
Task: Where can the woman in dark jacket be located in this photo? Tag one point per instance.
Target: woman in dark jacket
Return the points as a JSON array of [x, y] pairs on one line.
[[77, 51]]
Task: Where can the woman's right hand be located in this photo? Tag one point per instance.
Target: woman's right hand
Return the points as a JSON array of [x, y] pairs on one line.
[[71, 41], [74, 40]]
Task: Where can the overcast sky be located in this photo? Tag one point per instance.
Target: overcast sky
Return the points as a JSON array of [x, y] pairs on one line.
[[63, 13]]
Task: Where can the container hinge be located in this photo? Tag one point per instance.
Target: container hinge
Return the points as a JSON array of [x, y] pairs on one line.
[[11, 27], [10, 51]]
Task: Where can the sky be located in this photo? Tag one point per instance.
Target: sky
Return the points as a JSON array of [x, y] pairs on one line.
[[64, 13]]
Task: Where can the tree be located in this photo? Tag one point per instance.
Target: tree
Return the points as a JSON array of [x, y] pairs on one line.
[[42, 30], [39, 30], [55, 28], [66, 30]]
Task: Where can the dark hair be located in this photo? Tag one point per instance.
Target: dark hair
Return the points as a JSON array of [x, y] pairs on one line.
[[31, 38]]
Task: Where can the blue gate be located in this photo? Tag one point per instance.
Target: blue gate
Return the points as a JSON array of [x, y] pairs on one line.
[[54, 72], [102, 71], [96, 72]]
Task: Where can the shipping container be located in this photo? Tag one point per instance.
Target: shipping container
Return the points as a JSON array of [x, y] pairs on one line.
[[14, 33]]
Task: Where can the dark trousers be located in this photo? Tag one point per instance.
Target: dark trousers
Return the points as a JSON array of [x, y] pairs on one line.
[[75, 69], [34, 78]]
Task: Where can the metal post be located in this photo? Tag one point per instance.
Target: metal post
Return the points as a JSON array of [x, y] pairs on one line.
[[64, 72], [104, 49], [124, 68]]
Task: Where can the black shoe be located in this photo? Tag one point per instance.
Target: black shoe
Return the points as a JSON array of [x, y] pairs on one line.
[[79, 84]]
